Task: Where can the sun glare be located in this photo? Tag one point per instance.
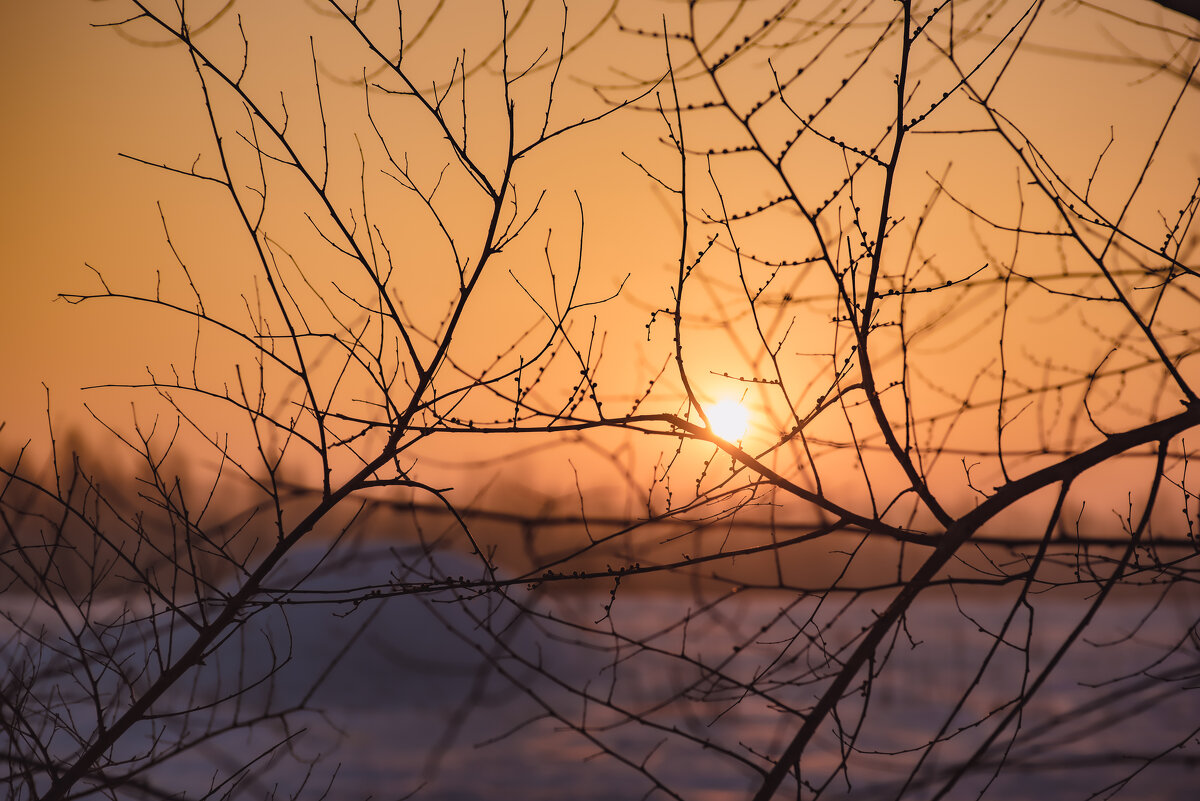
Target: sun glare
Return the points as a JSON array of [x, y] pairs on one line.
[[729, 419]]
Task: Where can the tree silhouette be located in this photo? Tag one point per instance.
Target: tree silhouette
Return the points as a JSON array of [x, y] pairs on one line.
[[965, 349]]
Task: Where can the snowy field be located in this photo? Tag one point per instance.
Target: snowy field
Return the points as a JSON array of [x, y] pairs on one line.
[[424, 701]]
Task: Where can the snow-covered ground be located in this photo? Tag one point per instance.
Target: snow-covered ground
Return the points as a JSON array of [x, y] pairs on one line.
[[425, 700]]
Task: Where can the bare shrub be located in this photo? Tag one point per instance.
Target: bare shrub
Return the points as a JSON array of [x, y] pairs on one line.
[[423, 387]]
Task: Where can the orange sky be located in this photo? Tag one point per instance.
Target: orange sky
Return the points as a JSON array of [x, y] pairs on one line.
[[76, 96]]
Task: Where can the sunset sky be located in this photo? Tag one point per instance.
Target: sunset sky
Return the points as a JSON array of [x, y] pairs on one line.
[[76, 96]]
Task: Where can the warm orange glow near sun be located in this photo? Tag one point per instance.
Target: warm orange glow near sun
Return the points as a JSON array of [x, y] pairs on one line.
[[728, 419]]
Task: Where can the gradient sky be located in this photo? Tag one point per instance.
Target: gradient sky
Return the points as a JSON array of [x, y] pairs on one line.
[[75, 96]]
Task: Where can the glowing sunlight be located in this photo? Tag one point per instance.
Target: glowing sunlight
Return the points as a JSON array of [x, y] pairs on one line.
[[729, 419]]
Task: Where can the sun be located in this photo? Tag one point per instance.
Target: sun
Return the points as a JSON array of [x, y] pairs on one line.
[[728, 420]]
